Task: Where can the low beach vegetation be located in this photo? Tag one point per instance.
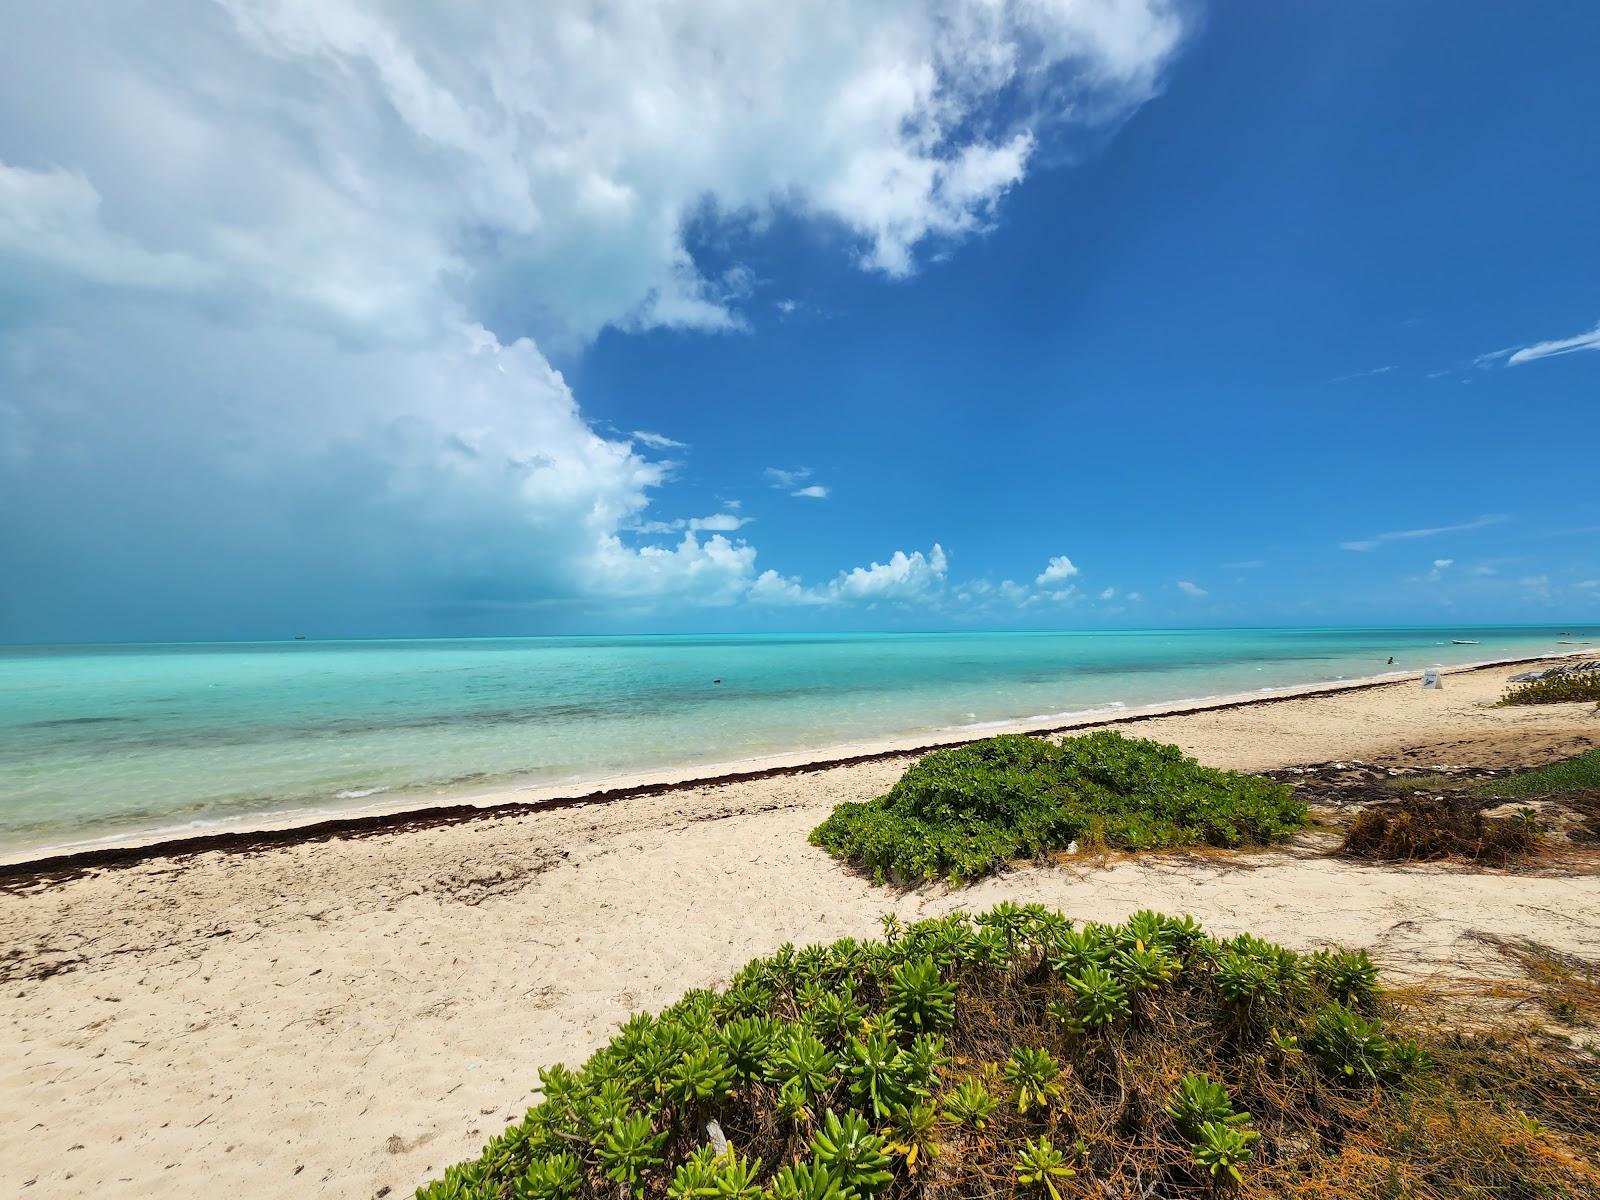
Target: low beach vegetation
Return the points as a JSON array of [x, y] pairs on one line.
[[1577, 774], [965, 812], [1427, 828], [1015, 1054], [1556, 689]]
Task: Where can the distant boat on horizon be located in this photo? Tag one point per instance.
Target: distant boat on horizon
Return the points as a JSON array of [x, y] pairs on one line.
[[299, 637], [1464, 642]]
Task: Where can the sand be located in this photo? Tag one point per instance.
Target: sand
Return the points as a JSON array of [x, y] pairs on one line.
[[344, 1017]]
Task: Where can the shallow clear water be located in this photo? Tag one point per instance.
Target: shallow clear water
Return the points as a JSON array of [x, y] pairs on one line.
[[106, 741]]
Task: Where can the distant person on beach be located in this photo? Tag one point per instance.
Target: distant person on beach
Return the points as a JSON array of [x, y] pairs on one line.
[[1391, 660]]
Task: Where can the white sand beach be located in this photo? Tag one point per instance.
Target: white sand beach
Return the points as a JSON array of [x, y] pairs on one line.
[[345, 1017]]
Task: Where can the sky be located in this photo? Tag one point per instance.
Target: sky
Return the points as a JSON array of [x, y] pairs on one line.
[[352, 318]]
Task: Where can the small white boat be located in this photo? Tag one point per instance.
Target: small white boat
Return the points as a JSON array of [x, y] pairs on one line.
[[1464, 642]]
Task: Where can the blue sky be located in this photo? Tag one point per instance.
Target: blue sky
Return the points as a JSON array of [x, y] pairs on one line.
[[348, 319]]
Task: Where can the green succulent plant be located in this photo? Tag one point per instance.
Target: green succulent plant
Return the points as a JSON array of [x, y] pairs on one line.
[[1348, 976], [912, 1134], [1098, 998], [836, 1016], [750, 1044], [707, 1175], [876, 1069], [629, 1151], [557, 1177], [1348, 1045], [1218, 1149], [920, 999], [1034, 1077], [1200, 1100], [852, 1153], [970, 1103], [1144, 967], [807, 1181], [1039, 1164], [806, 1063], [703, 1075]]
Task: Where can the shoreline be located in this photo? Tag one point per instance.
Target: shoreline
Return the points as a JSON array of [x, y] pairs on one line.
[[24, 867]]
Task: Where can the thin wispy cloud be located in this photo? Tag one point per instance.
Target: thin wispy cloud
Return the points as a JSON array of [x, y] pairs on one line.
[[1362, 374], [1192, 590], [815, 491], [1406, 535], [657, 441], [1515, 356]]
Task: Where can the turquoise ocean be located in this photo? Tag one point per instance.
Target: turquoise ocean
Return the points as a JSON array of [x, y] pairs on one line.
[[106, 742]]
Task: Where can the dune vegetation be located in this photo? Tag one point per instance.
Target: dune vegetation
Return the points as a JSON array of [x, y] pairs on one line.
[[1556, 689], [965, 812], [1426, 828], [1580, 773], [1016, 1055]]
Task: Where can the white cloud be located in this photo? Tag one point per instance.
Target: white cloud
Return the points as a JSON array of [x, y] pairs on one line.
[[1136, 597], [723, 522], [814, 492], [1193, 591], [1588, 584], [1484, 569], [1550, 349], [785, 478], [657, 441], [1058, 570], [1402, 535], [1109, 593], [328, 259], [1363, 374], [53, 216], [904, 578], [1440, 564]]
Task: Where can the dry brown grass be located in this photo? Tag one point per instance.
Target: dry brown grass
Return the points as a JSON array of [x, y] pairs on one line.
[[1428, 828]]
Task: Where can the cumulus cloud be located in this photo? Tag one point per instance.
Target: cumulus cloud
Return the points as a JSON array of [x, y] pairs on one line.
[[294, 302], [1109, 593], [1193, 591], [815, 491], [1057, 571], [904, 578]]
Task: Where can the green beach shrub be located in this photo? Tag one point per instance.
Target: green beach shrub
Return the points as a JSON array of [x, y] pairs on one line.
[[965, 812], [1169, 1096], [1555, 689]]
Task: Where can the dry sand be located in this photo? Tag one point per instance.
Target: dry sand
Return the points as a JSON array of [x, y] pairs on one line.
[[346, 1017]]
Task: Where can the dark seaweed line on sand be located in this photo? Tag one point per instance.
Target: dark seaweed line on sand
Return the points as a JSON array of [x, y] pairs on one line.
[[59, 867]]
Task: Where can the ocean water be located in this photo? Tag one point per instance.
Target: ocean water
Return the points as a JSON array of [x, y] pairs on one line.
[[102, 742]]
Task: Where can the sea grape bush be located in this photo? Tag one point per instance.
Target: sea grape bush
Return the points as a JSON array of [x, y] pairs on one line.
[[1009, 1053], [965, 812]]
